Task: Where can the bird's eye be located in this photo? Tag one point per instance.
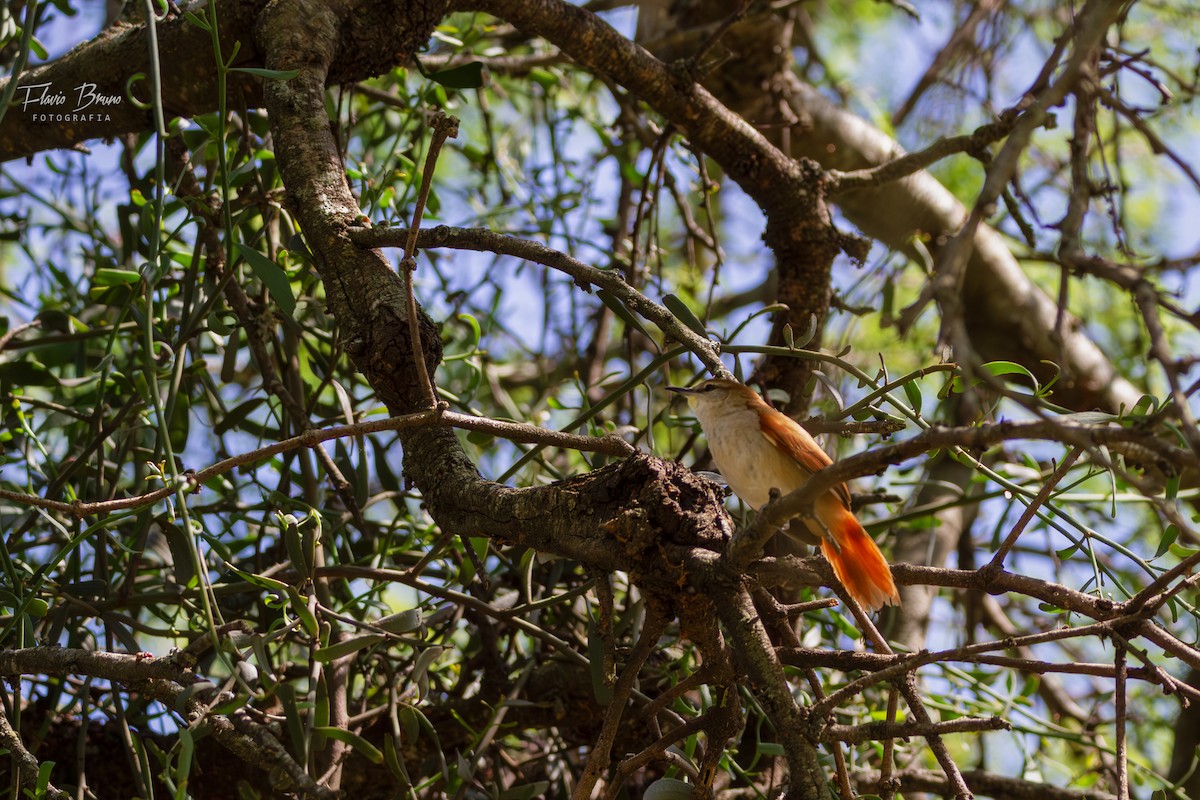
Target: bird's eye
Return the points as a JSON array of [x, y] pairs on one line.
[[708, 387]]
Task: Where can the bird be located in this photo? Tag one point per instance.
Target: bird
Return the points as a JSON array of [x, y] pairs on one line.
[[757, 448]]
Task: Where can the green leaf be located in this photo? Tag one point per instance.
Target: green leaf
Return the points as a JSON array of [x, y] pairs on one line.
[[269, 74], [197, 20], [684, 314], [543, 77], [913, 392], [300, 545], [181, 551], [259, 580], [476, 330], [1002, 368], [1067, 552], [1168, 538], [846, 626], [410, 722], [222, 322], [294, 721], [481, 439], [300, 606], [272, 276], [403, 622], [808, 335], [1182, 551], [106, 276], [626, 316], [1171, 491], [1089, 417], [356, 742], [395, 761], [43, 777], [1146, 405], [1050, 608], [237, 415], [348, 646], [421, 666], [183, 767], [465, 76], [668, 789]]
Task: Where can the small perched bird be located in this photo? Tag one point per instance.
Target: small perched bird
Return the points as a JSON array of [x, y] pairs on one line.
[[757, 448]]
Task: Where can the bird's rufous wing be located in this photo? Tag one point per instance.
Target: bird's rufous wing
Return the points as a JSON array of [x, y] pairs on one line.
[[787, 436]]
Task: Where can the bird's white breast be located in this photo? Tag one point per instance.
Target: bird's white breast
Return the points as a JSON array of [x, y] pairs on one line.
[[747, 459]]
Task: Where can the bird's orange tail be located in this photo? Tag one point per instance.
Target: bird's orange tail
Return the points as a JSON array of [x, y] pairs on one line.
[[855, 557]]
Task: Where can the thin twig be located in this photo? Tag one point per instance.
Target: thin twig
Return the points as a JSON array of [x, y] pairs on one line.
[[910, 163], [1119, 700], [890, 730], [1030, 511], [709, 43], [1159, 591], [887, 783], [479, 239], [444, 127], [658, 749], [908, 664], [916, 706], [597, 764], [914, 780], [17, 331], [832, 738], [513, 431], [907, 685]]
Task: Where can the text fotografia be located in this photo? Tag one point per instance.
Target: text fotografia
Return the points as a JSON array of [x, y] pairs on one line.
[[84, 103]]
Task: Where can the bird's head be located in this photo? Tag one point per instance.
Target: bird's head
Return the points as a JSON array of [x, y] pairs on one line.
[[718, 396]]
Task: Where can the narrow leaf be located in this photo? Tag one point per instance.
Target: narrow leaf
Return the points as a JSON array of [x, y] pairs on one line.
[[361, 745], [465, 76], [626, 316], [259, 580], [270, 74], [272, 276], [1168, 538], [307, 618], [347, 646], [684, 314], [668, 789], [403, 622], [106, 276]]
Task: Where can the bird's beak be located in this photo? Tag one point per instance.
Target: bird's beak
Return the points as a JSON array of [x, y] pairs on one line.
[[680, 390]]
